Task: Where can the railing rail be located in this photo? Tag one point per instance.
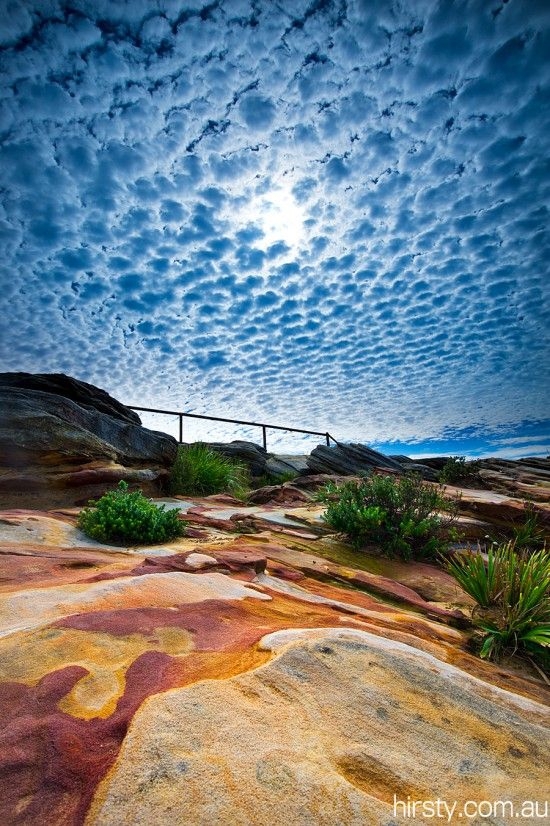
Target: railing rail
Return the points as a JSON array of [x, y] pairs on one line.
[[263, 425]]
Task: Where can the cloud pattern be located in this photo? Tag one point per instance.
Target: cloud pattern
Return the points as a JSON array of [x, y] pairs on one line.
[[322, 213]]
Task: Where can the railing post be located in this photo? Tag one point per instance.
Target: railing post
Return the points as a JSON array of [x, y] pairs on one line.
[[264, 436], [181, 429], [328, 438]]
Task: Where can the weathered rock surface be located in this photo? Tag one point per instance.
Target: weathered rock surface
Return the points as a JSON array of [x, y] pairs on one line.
[[250, 454], [335, 728], [72, 441], [524, 477], [258, 460], [265, 678], [84, 394], [349, 460], [503, 511]]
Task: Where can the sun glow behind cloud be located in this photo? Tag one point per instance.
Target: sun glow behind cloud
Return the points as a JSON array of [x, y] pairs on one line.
[[282, 219]]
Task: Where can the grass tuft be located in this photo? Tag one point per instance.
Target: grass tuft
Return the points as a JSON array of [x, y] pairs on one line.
[[201, 471]]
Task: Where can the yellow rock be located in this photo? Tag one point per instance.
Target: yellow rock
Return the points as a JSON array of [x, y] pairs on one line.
[[338, 729], [26, 658]]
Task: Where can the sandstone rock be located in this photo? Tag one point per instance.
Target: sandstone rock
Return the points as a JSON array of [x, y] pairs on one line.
[[424, 468], [287, 494], [427, 473], [349, 460], [58, 451], [333, 730], [393, 589], [313, 727], [85, 395], [498, 509], [314, 481], [285, 463], [525, 477]]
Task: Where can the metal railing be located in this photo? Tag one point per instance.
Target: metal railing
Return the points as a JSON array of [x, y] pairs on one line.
[[263, 425]]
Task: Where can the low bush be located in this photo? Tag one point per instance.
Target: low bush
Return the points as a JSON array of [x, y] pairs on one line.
[[512, 592], [456, 469], [199, 470], [400, 515], [121, 517]]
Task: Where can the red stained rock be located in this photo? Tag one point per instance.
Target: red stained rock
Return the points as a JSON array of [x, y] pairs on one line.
[[237, 560], [401, 593], [215, 625], [229, 559], [285, 572], [287, 494], [51, 762], [196, 516]]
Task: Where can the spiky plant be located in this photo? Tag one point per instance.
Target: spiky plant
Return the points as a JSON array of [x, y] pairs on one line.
[[512, 591]]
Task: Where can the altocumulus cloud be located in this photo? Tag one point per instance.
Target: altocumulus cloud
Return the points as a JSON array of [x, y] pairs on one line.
[[323, 213]]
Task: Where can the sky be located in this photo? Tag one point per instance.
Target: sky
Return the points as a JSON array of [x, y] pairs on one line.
[[324, 214]]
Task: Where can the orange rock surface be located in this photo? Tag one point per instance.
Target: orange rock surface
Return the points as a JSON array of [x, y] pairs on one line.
[[258, 677]]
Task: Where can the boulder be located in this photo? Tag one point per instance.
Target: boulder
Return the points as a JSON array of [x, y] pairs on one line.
[[250, 454], [427, 473], [258, 460], [349, 460], [58, 451], [280, 465], [287, 494]]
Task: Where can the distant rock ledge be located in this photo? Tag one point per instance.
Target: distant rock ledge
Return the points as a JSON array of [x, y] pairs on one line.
[[63, 441]]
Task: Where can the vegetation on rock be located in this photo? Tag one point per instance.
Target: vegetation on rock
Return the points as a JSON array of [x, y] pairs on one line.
[[121, 517], [400, 515], [198, 470], [456, 470], [512, 592], [271, 478], [529, 535]]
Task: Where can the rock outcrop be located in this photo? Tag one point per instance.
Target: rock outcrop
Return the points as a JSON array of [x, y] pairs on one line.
[[84, 394], [68, 441], [257, 459], [337, 728], [524, 477], [255, 672], [349, 460]]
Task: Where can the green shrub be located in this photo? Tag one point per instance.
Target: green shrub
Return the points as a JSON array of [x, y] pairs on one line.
[[512, 592], [121, 517], [401, 515], [456, 469], [199, 470]]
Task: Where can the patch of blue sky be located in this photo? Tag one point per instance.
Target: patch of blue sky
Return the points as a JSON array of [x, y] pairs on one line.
[[523, 439]]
